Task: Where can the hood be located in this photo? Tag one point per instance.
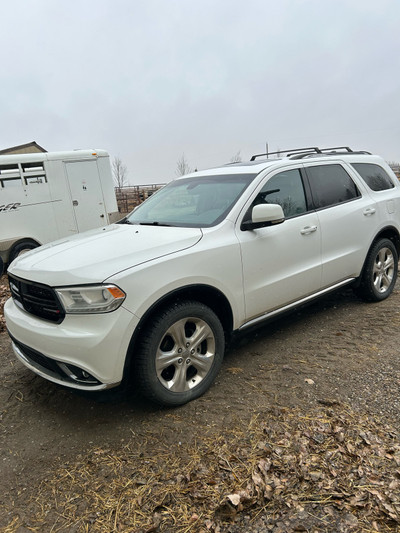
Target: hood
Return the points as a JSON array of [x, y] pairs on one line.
[[93, 256]]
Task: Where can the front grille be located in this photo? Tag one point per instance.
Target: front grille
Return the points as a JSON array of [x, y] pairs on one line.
[[37, 299]]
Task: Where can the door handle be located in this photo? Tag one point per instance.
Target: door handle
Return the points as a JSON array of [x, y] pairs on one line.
[[308, 229], [369, 211]]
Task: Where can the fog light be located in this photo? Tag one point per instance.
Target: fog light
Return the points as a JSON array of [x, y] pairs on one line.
[[78, 375]]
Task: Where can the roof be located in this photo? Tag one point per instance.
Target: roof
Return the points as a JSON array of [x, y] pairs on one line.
[[32, 147], [50, 156], [289, 158]]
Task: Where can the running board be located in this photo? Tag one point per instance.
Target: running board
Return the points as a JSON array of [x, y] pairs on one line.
[[295, 304]]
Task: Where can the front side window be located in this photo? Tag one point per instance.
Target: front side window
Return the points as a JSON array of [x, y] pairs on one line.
[[198, 202], [374, 176], [285, 189], [331, 185]]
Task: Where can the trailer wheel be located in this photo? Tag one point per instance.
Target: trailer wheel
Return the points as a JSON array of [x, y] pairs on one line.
[[20, 248]]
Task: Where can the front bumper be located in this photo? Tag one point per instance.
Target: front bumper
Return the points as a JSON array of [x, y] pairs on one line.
[[86, 352]]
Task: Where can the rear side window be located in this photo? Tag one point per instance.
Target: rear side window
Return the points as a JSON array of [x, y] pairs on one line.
[[331, 185], [374, 176]]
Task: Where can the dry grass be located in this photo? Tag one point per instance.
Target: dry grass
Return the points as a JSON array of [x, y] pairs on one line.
[[327, 470]]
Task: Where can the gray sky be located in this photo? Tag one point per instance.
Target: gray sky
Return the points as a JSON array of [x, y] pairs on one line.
[[150, 80]]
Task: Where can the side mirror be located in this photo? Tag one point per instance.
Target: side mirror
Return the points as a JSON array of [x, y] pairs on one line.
[[264, 215]]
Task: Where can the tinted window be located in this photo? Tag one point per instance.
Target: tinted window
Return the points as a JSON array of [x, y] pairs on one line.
[[331, 185], [374, 176], [285, 189]]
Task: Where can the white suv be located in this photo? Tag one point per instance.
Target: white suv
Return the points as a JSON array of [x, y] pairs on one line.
[[154, 299]]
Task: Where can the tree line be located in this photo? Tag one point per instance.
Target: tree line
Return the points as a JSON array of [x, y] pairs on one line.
[[120, 170]]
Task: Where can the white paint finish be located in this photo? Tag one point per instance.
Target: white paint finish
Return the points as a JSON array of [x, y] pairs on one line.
[[259, 271]]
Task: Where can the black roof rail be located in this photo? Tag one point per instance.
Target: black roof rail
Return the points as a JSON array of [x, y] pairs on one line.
[[313, 149], [342, 150], [299, 153]]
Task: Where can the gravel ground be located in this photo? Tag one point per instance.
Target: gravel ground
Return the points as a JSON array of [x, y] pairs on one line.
[[337, 352]]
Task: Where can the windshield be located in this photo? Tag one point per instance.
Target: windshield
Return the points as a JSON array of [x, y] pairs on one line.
[[192, 202]]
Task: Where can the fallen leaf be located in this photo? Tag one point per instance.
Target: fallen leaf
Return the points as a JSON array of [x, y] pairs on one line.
[[234, 499]]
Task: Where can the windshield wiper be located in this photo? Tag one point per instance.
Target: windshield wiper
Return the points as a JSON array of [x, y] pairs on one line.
[[154, 223]]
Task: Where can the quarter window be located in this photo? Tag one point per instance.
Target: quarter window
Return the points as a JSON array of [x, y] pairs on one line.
[[285, 189], [331, 185], [374, 176]]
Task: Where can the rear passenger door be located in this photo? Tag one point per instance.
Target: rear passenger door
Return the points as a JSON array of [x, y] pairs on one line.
[[380, 186], [347, 219]]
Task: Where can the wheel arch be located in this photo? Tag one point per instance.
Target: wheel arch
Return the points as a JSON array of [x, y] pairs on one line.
[[205, 294], [390, 233]]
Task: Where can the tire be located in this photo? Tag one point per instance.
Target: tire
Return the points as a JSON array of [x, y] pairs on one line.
[[180, 354], [20, 248], [379, 274]]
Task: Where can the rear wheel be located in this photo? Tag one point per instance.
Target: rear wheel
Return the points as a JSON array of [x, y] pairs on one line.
[[380, 272], [180, 353]]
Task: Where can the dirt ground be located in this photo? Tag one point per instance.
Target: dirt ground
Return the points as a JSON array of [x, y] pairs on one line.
[[338, 351]]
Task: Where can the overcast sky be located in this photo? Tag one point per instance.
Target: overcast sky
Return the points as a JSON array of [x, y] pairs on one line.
[[150, 80]]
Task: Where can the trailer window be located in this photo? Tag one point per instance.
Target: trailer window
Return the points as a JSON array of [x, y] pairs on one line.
[[33, 172], [9, 169], [35, 179], [33, 167], [10, 182], [10, 176], [22, 174]]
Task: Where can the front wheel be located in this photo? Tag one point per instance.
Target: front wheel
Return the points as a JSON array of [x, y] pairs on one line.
[[180, 353], [379, 275]]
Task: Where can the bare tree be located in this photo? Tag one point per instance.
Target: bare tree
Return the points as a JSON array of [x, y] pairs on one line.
[[120, 172], [237, 158], [182, 167]]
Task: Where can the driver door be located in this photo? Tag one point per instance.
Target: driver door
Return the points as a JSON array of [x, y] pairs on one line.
[[281, 263]]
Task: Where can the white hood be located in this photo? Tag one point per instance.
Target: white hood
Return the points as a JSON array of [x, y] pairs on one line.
[[94, 256]]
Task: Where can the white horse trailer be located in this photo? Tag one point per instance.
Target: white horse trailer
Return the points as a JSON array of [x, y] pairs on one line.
[[50, 195]]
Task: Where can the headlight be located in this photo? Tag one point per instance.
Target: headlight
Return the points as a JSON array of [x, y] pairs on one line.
[[91, 298]]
